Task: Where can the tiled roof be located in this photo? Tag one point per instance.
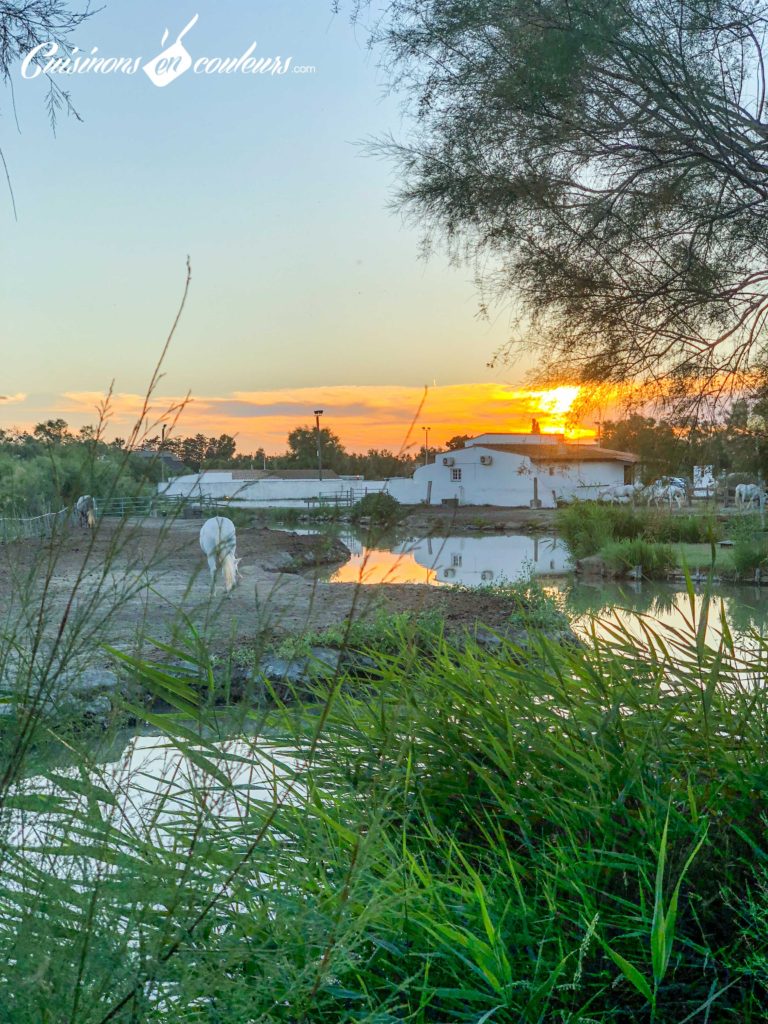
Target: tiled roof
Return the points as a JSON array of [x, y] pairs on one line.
[[563, 452]]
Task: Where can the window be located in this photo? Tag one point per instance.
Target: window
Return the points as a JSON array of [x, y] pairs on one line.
[[551, 470], [456, 561], [455, 474]]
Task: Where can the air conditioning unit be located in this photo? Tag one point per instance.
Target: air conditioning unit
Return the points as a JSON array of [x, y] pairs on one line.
[[486, 575], [448, 460], [486, 460], [449, 573]]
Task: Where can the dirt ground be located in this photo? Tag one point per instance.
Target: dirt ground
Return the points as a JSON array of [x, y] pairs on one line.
[[129, 582]]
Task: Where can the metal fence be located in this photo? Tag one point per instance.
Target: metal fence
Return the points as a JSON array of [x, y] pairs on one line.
[[34, 526], [155, 505]]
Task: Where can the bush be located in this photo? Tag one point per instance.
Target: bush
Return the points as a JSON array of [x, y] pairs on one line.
[[750, 546], [381, 508], [684, 529], [622, 555], [586, 525]]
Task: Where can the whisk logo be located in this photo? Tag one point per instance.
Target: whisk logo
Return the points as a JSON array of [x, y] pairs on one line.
[[167, 66], [171, 63]]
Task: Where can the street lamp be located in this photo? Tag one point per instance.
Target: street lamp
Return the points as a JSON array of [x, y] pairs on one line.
[[426, 444], [318, 414]]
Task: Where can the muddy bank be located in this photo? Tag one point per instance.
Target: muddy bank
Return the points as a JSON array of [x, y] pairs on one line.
[[132, 582]]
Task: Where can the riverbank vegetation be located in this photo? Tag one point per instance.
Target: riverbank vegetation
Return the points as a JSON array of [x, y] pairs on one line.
[[624, 537], [473, 835]]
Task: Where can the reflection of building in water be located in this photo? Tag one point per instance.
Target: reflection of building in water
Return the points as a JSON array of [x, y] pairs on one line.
[[473, 561]]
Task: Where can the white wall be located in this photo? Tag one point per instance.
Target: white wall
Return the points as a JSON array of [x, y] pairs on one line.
[[508, 480], [264, 493]]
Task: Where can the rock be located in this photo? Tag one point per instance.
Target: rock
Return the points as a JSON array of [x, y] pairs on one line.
[[86, 694], [495, 641], [87, 681], [280, 561], [594, 565]]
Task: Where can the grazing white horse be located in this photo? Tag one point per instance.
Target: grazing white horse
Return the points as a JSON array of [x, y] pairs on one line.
[[620, 494], [217, 539], [85, 509], [658, 493], [747, 495]]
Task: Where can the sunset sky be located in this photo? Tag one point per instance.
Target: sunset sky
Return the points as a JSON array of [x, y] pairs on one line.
[[307, 289]]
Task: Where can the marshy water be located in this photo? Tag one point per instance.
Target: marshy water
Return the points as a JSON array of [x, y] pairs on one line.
[[477, 561]]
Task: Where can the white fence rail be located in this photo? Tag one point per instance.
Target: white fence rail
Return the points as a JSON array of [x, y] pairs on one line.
[[34, 526]]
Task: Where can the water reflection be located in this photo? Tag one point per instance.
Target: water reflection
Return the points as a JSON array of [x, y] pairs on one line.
[[470, 561], [745, 608]]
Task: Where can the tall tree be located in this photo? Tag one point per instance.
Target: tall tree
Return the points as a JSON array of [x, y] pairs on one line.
[[660, 448], [611, 158], [302, 449]]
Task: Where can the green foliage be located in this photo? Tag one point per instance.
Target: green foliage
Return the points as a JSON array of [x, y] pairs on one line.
[[576, 837], [40, 477], [531, 606], [750, 544], [382, 633], [656, 559], [625, 537], [587, 525], [683, 529], [530, 142], [660, 448], [381, 508]]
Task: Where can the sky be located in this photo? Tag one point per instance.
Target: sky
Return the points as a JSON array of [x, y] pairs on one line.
[[307, 287]]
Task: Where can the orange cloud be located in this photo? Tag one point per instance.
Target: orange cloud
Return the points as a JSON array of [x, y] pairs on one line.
[[363, 416]]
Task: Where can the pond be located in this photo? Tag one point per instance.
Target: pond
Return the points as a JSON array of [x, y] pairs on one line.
[[469, 561], [474, 561]]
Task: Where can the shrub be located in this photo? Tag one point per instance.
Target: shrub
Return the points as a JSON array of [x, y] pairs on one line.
[[750, 546], [622, 555], [586, 525], [684, 529], [381, 508]]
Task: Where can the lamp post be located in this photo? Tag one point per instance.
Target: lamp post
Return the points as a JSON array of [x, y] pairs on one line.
[[426, 444], [318, 414]]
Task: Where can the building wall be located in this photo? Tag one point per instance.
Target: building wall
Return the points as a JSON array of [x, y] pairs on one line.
[[220, 486], [508, 480]]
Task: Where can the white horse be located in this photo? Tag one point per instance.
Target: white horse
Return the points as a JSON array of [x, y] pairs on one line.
[[85, 510], [620, 494], [671, 493], [217, 539], [747, 495]]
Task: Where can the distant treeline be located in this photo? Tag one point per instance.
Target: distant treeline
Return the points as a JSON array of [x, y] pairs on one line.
[[43, 469], [201, 452], [50, 468], [668, 447]]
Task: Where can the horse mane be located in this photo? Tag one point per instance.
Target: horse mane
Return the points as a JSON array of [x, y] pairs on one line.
[[229, 568]]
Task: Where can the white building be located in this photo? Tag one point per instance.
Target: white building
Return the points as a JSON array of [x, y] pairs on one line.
[[257, 488], [517, 470]]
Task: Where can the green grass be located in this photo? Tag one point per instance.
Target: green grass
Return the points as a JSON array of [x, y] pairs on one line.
[[574, 837], [699, 556]]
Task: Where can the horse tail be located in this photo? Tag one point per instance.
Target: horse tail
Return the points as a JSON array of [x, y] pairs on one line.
[[91, 519], [229, 569]]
